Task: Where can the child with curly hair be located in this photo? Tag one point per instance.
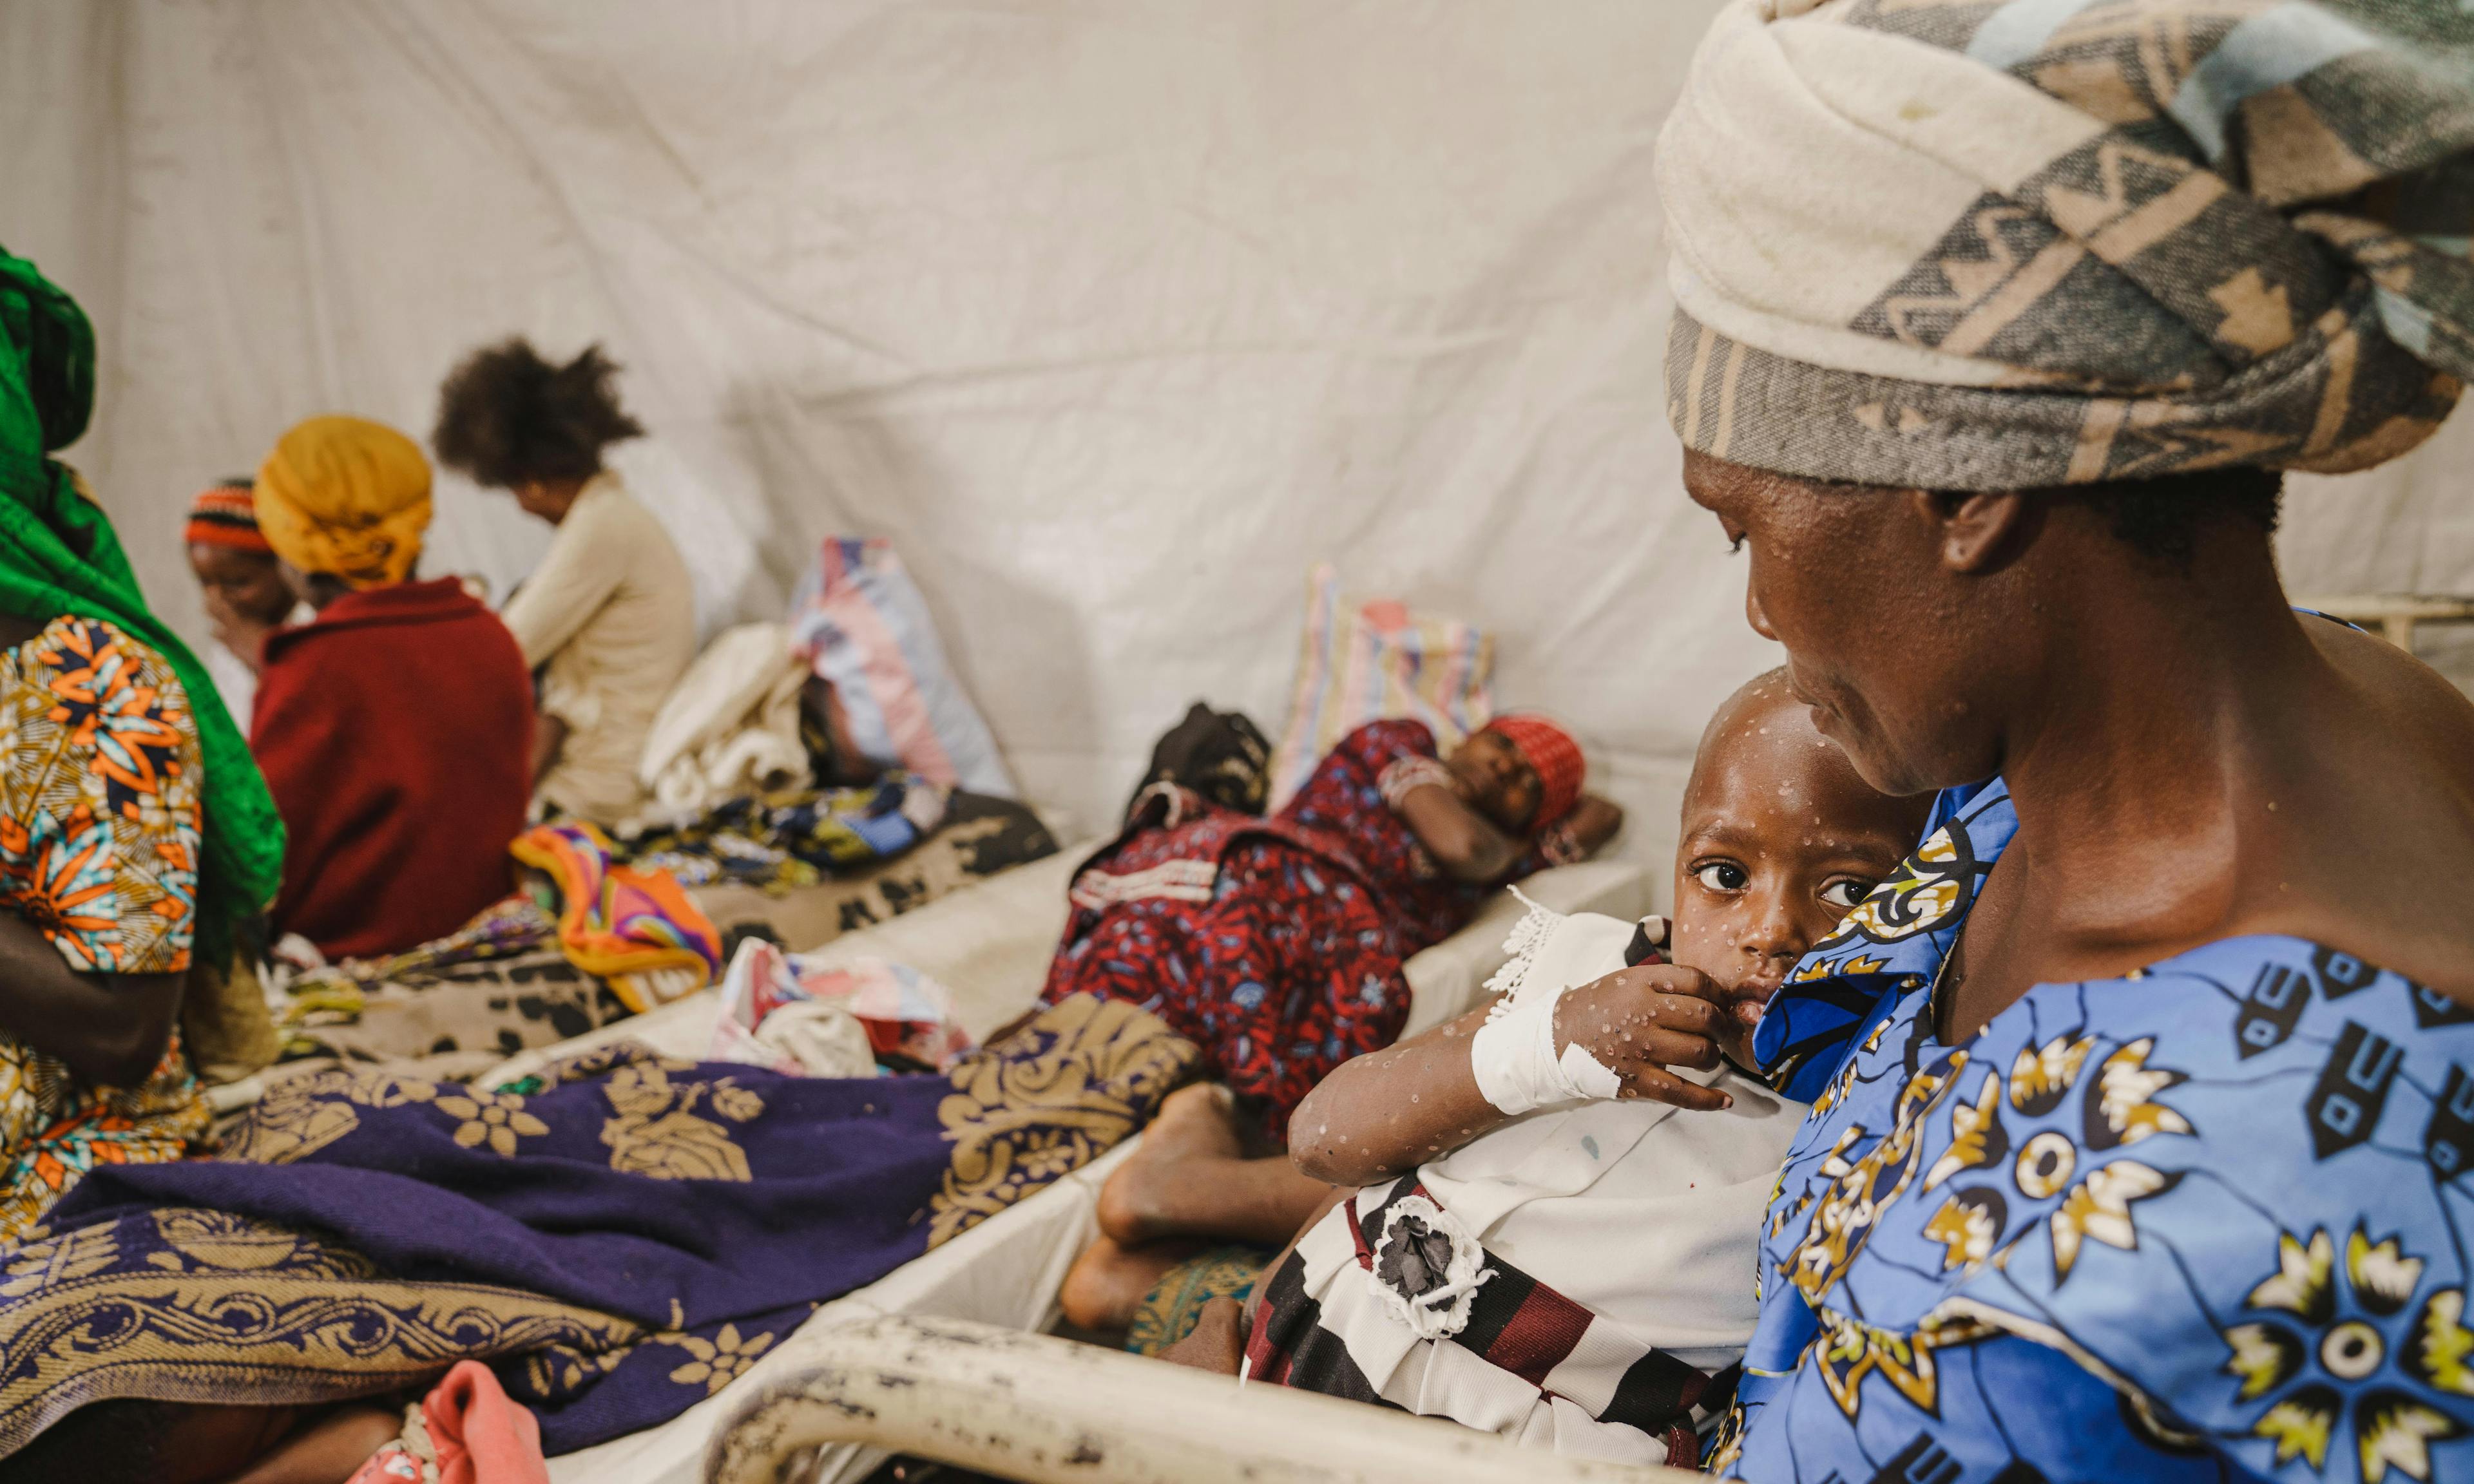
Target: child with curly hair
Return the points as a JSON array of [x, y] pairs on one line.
[[609, 616]]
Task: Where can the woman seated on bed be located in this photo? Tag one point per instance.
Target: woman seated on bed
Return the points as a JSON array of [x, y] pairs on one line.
[[609, 615], [135, 835], [394, 728], [1276, 944], [618, 1238]]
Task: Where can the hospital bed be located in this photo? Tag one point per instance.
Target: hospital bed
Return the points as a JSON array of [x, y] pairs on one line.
[[1042, 1410], [990, 943]]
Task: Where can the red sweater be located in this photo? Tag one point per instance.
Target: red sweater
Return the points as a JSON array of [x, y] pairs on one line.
[[397, 734]]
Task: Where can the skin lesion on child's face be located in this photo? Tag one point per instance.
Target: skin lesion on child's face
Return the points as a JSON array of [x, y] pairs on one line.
[[1781, 840]]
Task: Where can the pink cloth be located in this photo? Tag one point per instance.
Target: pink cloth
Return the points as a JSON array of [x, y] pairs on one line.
[[477, 1433]]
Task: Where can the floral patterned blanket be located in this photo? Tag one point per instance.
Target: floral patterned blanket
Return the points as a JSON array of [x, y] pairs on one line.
[[619, 1237]]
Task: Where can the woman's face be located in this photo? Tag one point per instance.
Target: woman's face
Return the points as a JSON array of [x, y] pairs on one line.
[[546, 499], [1495, 778], [1895, 655], [242, 586]]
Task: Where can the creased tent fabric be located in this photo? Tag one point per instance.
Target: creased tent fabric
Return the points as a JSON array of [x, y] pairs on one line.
[[2044, 242], [1113, 316]]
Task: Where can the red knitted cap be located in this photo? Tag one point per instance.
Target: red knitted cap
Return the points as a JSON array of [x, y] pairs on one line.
[[1554, 754]]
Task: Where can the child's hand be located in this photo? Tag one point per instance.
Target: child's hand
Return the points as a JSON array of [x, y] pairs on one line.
[[1637, 1022]]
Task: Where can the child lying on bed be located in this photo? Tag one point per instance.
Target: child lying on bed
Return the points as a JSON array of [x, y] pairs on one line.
[[1275, 943], [1539, 1218]]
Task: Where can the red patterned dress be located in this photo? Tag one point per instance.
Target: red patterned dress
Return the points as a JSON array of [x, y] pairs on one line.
[[1274, 943]]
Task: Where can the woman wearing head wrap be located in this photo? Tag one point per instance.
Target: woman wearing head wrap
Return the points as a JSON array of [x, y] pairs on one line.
[[2140, 1108], [609, 615], [395, 727], [1276, 944], [136, 841], [247, 598]]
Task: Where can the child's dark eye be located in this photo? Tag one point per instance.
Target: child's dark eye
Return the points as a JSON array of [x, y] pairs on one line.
[[1846, 893], [1723, 875]]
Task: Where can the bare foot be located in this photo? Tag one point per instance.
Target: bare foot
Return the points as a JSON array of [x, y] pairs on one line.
[[1196, 1125], [1107, 1282], [1218, 1343]]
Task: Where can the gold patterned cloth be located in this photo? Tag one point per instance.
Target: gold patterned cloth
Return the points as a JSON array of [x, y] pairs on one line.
[[619, 1237], [99, 840], [2013, 244]]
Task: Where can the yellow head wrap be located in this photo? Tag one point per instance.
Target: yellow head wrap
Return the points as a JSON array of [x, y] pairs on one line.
[[346, 496]]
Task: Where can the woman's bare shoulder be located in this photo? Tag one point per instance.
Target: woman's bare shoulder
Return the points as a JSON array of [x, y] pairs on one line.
[[2415, 700], [2405, 791]]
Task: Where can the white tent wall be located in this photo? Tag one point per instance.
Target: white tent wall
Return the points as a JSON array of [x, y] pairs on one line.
[[1115, 315]]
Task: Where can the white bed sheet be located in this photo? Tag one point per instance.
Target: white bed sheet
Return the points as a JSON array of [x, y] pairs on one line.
[[990, 943]]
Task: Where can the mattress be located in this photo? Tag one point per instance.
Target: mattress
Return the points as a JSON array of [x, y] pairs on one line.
[[990, 945]]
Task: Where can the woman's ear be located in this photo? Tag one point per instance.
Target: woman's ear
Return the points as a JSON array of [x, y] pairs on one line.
[[1979, 533]]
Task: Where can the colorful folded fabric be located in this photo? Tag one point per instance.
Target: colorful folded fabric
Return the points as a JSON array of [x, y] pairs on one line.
[[635, 927], [906, 1014], [1364, 660]]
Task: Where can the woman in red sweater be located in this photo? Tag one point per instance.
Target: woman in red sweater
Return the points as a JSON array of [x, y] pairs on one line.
[[395, 730]]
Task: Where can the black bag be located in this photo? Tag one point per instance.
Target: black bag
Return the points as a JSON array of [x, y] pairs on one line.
[[1219, 755]]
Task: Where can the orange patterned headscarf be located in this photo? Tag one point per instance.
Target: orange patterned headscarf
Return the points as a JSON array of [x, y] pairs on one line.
[[346, 496]]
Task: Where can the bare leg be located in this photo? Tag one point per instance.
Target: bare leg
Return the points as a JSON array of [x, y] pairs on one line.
[[1107, 1282], [1218, 1343], [1190, 1178]]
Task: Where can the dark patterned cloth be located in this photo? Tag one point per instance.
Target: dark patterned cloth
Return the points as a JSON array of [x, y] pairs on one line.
[[1220, 756], [2200, 1222], [2010, 244], [620, 1237], [1274, 943], [793, 837]]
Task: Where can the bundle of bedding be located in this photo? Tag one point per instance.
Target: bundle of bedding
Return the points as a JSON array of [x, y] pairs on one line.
[[617, 1237]]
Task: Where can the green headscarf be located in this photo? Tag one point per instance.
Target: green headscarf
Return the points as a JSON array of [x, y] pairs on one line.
[[60, 555]]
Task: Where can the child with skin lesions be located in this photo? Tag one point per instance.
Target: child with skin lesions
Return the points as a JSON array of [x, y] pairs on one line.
[[1539, 1219]]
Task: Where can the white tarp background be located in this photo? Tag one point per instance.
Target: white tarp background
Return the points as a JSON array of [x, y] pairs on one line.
[[1115, 314]]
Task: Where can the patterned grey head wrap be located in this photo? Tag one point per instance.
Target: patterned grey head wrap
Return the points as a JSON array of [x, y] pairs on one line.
[[2010, 244]]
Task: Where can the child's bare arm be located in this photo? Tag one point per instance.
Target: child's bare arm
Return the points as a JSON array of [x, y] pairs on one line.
[[1460, 839], [1390, 1111], [1387, 1111]]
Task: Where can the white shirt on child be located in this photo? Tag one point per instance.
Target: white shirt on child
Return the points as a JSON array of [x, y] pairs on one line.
[[1647, 1213]]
